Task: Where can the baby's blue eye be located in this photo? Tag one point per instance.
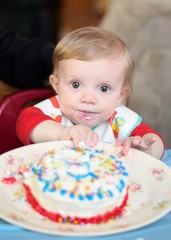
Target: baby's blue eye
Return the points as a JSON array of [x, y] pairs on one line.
[[75, 85], [104, 88]]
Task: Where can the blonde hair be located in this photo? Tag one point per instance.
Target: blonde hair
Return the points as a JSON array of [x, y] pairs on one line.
[[91, 43]]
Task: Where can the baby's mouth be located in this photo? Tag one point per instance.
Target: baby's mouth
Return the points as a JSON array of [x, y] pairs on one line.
[[86, 115]]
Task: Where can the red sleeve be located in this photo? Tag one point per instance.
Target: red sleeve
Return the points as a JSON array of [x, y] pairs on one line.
[[28, 119], [143, 129]]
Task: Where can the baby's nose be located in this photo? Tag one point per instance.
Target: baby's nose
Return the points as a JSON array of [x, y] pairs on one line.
[[88, 98]]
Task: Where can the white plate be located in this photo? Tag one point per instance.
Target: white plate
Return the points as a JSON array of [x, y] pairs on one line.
[[149, 194]]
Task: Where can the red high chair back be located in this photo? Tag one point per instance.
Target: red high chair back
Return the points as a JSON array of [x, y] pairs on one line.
[[10, 108]]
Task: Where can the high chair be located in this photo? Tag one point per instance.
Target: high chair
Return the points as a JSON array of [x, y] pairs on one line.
[[10, 108]]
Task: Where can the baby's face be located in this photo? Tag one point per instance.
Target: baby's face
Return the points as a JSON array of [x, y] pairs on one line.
[[89, 92]]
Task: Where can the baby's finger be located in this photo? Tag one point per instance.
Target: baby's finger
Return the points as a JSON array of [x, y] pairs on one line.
[[92, 139], [77, 139], [136, 141], [125, 144], [120, 142], [150, 141]]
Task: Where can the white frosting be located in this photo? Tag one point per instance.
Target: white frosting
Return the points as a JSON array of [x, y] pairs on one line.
[[78, 182]]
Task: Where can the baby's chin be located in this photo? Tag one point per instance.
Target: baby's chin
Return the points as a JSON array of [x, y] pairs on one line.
[[88, 122]]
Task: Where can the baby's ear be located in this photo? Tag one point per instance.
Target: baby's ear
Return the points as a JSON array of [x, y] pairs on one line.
[[54, 82], [123, 99]]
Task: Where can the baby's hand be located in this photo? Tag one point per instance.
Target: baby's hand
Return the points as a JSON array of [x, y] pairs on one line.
[[140, 143], [80, 133]]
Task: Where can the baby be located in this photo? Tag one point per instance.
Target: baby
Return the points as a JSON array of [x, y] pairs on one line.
[[92, 80]]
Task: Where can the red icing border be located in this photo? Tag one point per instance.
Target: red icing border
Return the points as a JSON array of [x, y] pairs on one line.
[[73, 220]]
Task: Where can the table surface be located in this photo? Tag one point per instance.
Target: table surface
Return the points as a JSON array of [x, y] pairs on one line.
[[160, 230]]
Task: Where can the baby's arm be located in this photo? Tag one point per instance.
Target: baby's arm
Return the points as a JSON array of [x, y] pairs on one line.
[[34, 126], [50, 130], [150, 143]]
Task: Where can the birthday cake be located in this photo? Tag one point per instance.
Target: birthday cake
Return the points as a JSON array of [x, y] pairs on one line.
[[76, 185]]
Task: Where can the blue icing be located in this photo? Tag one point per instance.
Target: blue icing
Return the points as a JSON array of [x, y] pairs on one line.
[[53, 189], [76, 163], [46, 186], [121, 185], [89, 197], [112, 157], [110, 193], [79, 176], [99, 195], [34, 170], [81, 197], [63, 192], [72, 195], [95, 152]]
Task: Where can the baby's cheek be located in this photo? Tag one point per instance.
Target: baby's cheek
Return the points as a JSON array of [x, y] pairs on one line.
[[107, 115]]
